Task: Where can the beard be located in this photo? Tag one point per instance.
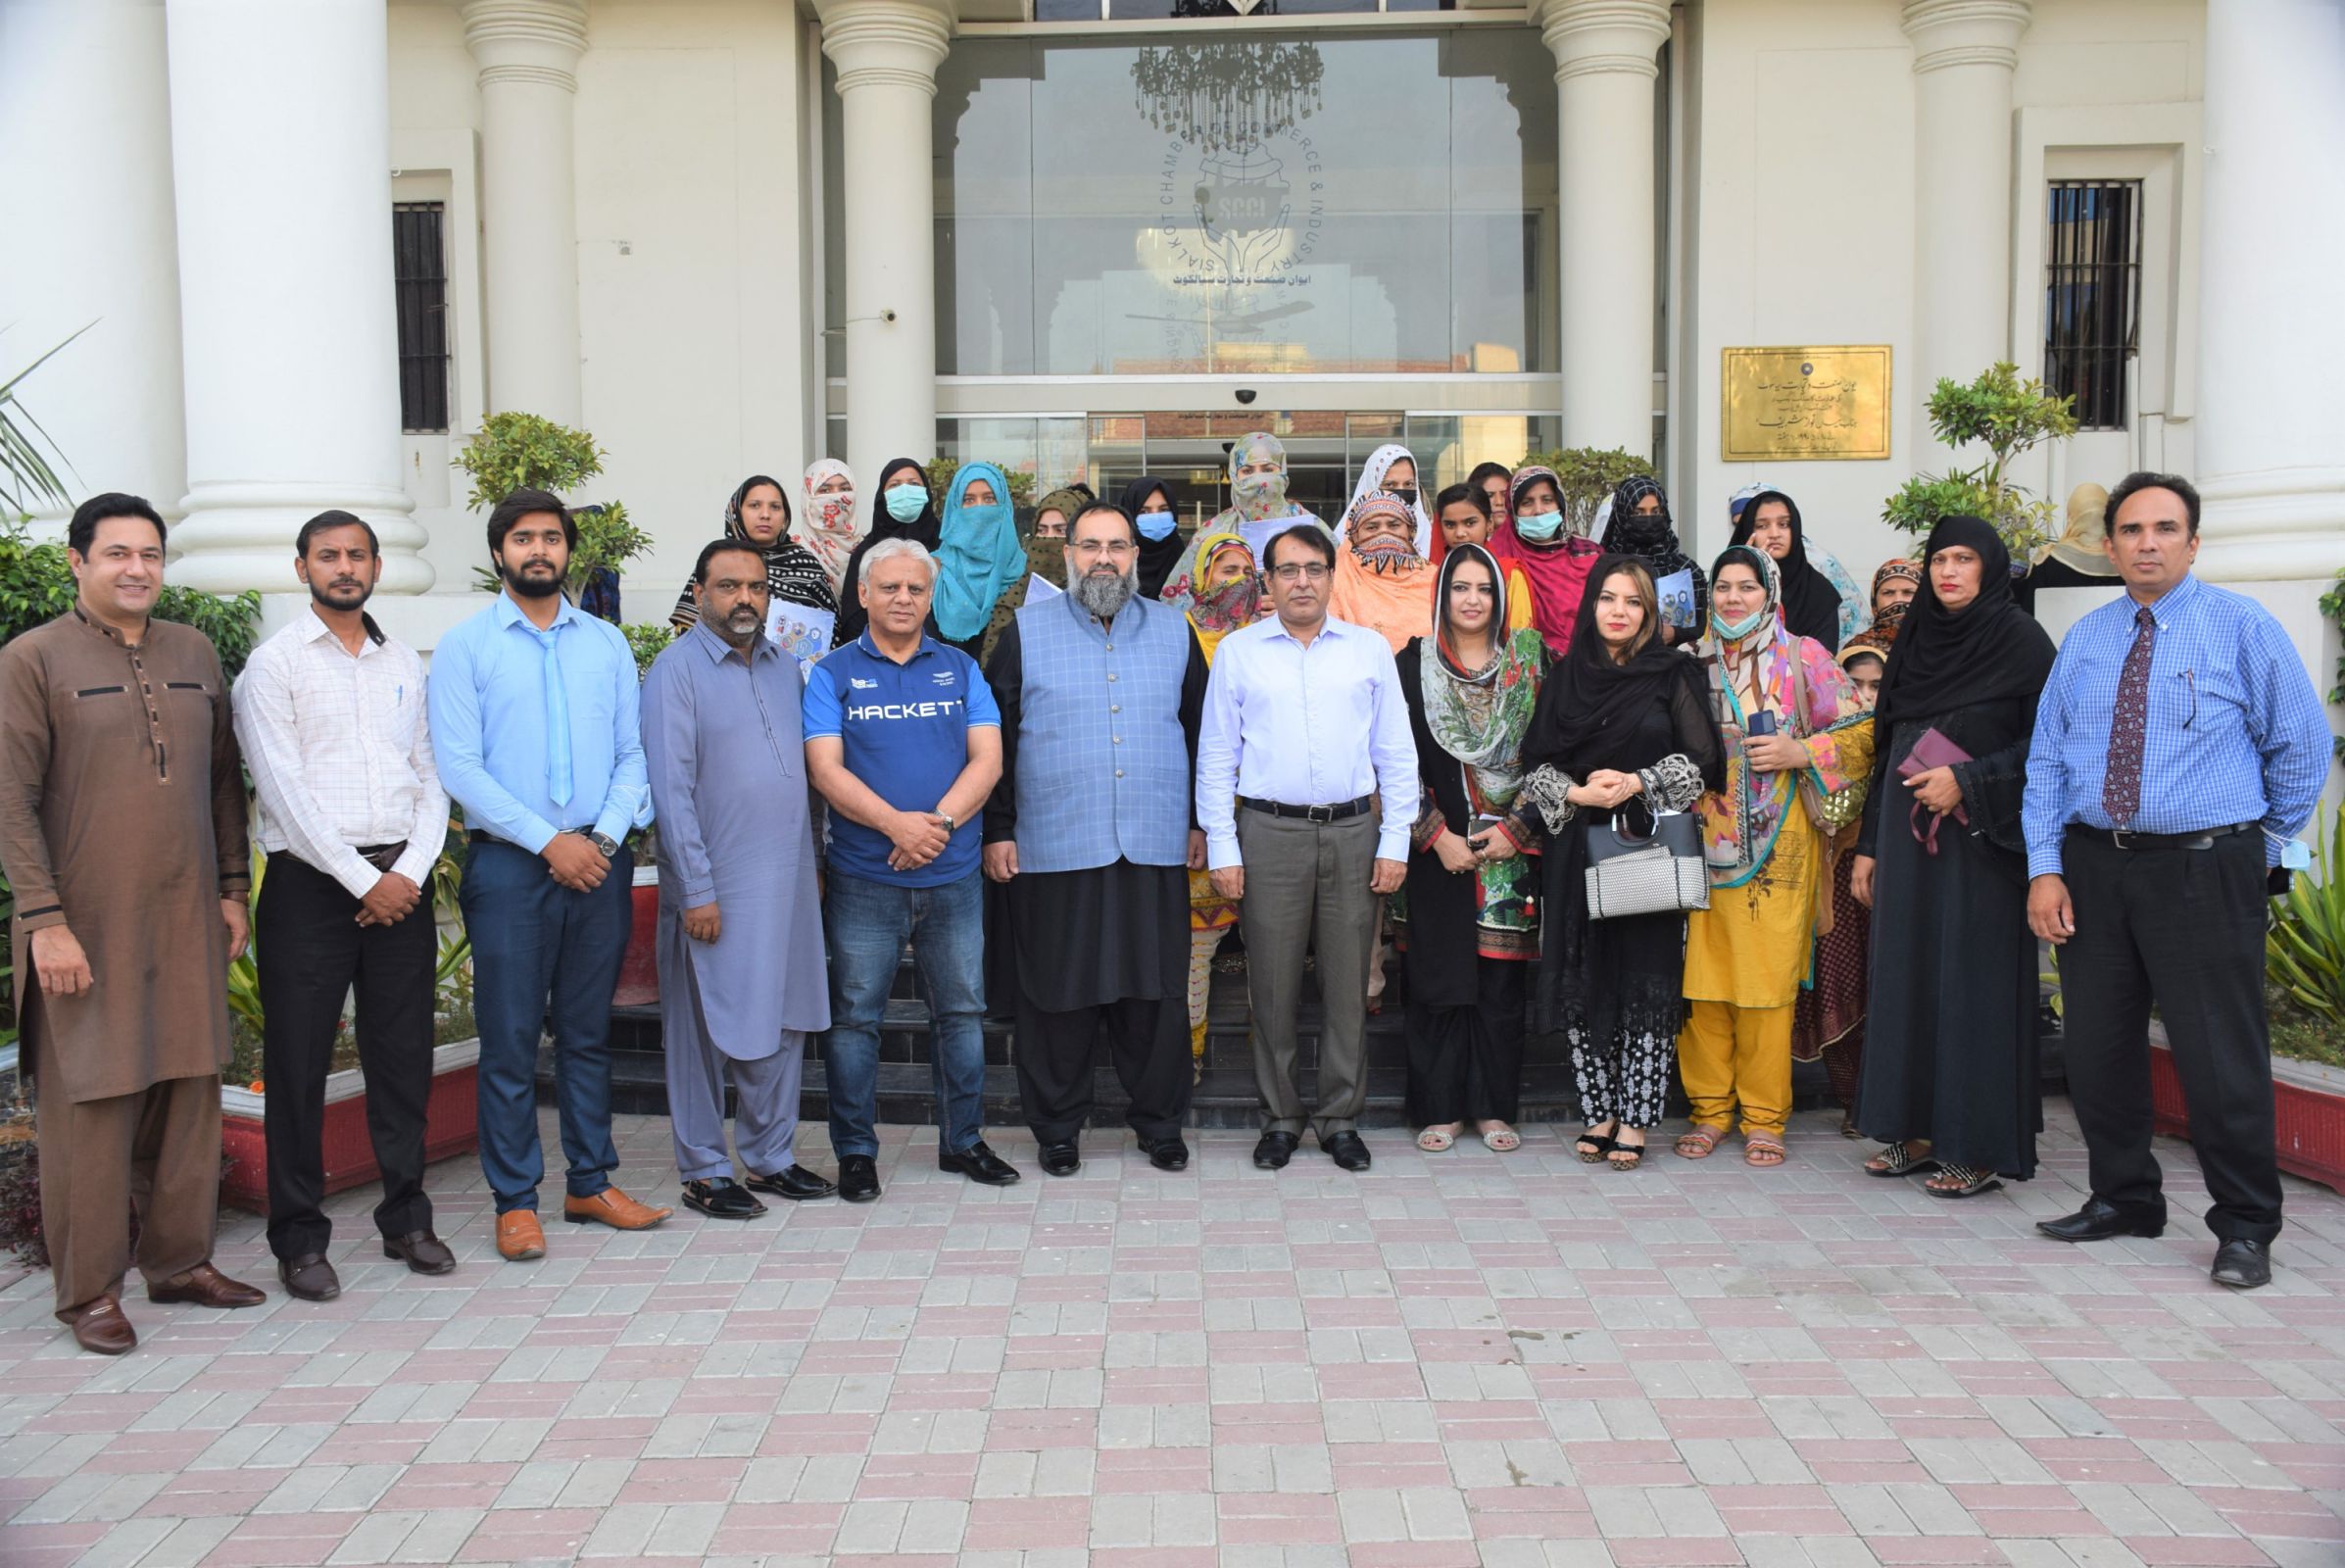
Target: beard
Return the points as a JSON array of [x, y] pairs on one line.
[[741, 627], [341, 596], [1105, 593], [528, 587]]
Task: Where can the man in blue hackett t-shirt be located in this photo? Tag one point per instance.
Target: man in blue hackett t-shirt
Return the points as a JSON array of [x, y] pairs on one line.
[[905, 742]]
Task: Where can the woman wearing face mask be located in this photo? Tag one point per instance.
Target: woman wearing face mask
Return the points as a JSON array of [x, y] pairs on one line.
[[828, 527], [1381, 581], [1259, 506], [1950, 1071], [1391, 471], [1894, 585], [1795, 741], [1468, 913], [1641, 528], [1046, 544], [1217, 586], [981, 567], [1553, 559], [905, 511], [1624, 726], [1149, 504], [759, 515]]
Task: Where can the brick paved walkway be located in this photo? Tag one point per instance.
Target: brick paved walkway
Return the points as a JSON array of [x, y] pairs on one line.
[[1454, 1360]]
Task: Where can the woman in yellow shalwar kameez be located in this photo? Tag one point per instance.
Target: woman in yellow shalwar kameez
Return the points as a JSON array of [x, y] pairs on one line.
[[1796, 737]]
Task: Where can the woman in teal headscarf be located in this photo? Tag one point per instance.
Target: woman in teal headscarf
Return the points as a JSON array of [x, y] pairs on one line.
[[981, 567]]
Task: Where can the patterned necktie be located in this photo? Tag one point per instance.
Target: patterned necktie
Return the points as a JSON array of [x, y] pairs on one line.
[[2128, 729], [557, 724]]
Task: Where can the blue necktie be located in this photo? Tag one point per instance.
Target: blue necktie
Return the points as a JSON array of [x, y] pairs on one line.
[[558, 724]]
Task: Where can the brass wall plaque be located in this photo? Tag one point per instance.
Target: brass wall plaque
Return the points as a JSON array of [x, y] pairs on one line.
[[1820, 404]]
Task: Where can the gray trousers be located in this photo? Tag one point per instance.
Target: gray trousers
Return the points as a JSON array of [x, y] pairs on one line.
[[1306, 890], [765, 1126]]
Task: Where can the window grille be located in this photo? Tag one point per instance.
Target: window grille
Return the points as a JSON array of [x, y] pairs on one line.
[[2092, 295], [420, 275]]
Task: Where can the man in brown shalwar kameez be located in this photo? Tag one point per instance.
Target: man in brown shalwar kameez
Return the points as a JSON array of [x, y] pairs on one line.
[[121, 829]]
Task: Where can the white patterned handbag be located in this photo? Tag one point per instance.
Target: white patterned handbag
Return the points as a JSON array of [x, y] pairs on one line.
[[1654, 874]]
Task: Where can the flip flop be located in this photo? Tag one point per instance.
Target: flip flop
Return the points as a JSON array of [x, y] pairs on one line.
[[1700, 1143]]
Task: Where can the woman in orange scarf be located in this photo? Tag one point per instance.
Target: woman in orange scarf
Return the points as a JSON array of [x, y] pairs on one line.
[[1381, 581]]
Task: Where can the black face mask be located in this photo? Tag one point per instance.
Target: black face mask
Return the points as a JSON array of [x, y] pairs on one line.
[[1406, 495]]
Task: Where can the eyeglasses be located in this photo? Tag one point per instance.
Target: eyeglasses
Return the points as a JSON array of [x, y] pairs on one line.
[[1300, 571], [1094, 546]]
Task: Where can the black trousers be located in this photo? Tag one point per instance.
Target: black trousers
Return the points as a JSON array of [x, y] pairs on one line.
[[1149, 1043], [1466, 1063], [310, 950], [2182, 929]]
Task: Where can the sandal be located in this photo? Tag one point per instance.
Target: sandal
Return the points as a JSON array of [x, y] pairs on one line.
[[1901, 1160], [1763, 1150], [1592, 1146], [1501, 1139], [1625, 1155], [1848, 1126], [1699, 1143], [1437, 1140], [1968, 1182]]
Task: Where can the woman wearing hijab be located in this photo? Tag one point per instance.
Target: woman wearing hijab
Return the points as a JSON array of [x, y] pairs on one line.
[[828, 527], [1045, 542], [1259, 506], [1642, 530], [759, 515], [1468, 913], [1795, 741], [1624, 726], [1950, 1073], [981, 567], [1770, 522], [2079, 557], [904, 511], [1539, 540], [1381, 581], [1828, 1023], [1148, 503], [1391, 471], [1217, 586]]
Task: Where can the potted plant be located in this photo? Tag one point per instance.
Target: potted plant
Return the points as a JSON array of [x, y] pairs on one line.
[[513, 450], [2008, 417], [639, 970]]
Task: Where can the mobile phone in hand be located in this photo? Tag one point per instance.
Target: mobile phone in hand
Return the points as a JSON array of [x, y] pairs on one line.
[[1761, 722]]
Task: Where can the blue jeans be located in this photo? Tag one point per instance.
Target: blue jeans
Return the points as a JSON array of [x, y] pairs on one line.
[[536, 942], [869, 924]]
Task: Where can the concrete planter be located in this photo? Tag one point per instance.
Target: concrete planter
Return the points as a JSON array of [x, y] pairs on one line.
[[451, 1126], [2308, 1104]]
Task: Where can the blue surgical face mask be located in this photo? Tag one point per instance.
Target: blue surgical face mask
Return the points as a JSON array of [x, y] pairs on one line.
[[905, 501], [1157, 524], [1736, 630], [1539, 529]]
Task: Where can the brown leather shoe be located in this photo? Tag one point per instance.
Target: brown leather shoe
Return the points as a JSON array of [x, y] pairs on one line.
[[519, 1237], [204, 1285], [100, 1327], [421, 1251], [613, 1209], [308, 1277]]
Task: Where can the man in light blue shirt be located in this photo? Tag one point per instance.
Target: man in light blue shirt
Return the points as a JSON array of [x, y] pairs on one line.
[[2178, 748], [534, 719]]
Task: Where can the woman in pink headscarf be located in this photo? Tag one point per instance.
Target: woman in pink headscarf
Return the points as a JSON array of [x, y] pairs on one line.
[[826, 526]]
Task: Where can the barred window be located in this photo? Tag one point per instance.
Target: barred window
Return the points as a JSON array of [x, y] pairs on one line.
[[2092, 295], [420, 275]]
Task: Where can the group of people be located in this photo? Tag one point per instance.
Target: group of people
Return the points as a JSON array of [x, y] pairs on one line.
[[1067, 766]]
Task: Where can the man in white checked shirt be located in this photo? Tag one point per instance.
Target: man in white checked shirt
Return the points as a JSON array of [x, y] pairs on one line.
[[330, 714]]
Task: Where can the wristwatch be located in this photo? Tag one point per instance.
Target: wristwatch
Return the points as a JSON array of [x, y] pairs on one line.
[[951, 826], [605, 843]]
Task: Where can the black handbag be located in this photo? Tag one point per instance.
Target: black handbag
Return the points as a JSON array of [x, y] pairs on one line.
[[1653, 873]]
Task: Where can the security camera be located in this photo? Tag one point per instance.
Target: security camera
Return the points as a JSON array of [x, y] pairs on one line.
[[1246, 394]]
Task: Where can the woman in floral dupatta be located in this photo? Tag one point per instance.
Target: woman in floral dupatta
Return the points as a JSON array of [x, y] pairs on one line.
[[1216, 585], [1797, 741], [1259, 506]]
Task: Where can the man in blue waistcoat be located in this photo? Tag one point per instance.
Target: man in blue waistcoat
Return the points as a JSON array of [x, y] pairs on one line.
[[1100, 693]]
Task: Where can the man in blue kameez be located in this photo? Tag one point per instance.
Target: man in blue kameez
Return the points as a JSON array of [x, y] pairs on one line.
[[742, 981]]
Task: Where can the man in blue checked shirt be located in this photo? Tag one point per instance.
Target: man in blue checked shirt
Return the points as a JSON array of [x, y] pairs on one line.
[[2179, 750], [533, 714]]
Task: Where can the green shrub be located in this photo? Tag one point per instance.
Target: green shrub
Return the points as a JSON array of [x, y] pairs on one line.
[[2304, 951], [513, 450], [1590, 474], [2008, 417]]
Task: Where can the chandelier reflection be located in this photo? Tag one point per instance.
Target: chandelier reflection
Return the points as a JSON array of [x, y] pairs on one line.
[[1227, 96]]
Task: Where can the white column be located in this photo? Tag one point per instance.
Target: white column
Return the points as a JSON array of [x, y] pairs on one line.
[[887, 53], [1604, 72], [2271, 323], [1965, 54], [528, 53], [281, 149], [85, 117]]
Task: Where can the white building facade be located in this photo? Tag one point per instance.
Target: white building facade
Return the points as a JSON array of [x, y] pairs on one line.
[[1097, 239]]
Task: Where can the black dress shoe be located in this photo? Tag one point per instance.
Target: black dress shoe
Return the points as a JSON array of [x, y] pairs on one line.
[[1346, 1150], [421, 1251], [722, 1198], [2100, 1219], [980, 1164], [2242, 1264], [1273, 1151], [1061, 1160], [1166, 1154], [797, 1184], [859, 1178], [308, 1277]]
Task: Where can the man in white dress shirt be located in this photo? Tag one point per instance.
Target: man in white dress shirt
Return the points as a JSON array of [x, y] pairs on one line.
[[330, 714], [1306, 789]]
